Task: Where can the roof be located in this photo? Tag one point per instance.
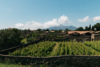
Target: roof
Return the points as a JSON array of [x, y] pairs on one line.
[[52, 31], [82, 32], [63, 31], [9, 28], [46, 31]]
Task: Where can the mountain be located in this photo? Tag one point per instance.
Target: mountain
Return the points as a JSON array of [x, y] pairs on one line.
[[63, 27]]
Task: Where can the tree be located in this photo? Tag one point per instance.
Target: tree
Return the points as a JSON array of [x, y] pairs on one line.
[[28, 30], [39, 30], [60, 30], [90, 27], [86, 28], [97, 26], [47, 30], [80, 29], [66, 30], [9, 37], [25, 31]]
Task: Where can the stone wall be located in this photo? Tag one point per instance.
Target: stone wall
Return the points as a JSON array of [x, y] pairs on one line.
[[80, 38], [69, 60]]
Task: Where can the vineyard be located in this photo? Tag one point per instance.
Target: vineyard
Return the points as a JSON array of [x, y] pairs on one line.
[[48, 48]]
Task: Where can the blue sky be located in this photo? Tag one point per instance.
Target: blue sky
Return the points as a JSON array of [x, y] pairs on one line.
[[34, 14]]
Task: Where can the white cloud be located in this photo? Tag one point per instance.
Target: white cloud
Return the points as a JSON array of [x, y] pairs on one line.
[[19, 25], [51, 23], [96, 18], [35, 25], [63, 19], [86, 19]]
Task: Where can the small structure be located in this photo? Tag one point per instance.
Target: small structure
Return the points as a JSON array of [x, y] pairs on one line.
[[95, 37], [81, 35], [52, 31], [63, 31]]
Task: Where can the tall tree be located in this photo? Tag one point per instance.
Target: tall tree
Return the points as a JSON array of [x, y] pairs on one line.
[[90, 27], [60, 30], [86, 28], [39, 30], [97, 26], [80, 29], [66, 30], [47, 30]]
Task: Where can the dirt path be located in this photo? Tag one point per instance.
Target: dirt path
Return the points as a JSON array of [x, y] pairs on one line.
[[54, 49]]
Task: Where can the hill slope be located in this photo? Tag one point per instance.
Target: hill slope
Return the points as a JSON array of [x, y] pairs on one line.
[[63, 27]]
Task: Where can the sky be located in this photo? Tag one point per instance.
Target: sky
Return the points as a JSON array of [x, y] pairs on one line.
[[34, 14]]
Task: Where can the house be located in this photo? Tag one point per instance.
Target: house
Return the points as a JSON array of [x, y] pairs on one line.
[[95, 37], [84, 35], [52, 31]]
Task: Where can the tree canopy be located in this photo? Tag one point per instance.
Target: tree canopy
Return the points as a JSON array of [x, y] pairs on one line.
[[9, 37]]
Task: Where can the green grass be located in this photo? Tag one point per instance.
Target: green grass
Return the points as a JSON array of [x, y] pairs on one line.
[[11, 65], [19, 65], [41, 65]]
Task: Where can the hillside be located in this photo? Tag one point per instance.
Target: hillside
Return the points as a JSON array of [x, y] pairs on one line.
[[63, 27]]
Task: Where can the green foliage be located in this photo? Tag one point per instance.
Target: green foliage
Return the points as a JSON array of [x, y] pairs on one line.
[[29, 37], [23, 41], [60, 30], [39, 30], [32, 36], [71, 40], [21, 37], [62, 48], [97, 26], [66, 30], [47, 30], [86, 28], [38, 50], [52, 34], [10, 37], [59, 36], [11, 65], [94, 44], [80, 29]]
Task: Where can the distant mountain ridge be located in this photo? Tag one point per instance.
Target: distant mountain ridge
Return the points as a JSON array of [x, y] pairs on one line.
[[63, 27]]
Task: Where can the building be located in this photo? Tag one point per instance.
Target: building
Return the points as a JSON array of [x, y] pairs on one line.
[[95, 37], [84, 35]]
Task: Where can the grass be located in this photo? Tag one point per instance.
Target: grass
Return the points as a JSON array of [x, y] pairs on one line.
[[41, 65], [19, 65], [11, 65]]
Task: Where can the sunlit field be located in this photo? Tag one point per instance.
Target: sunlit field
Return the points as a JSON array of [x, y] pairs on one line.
[[51, 48]]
